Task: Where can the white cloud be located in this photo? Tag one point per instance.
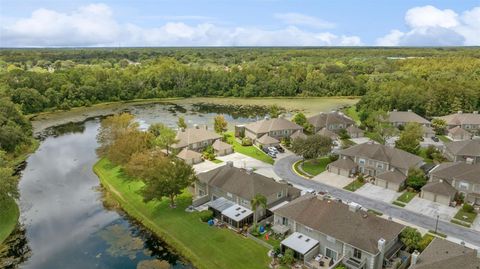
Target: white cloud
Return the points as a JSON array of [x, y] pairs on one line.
[[303, 20], [95, 25], [430, 26]]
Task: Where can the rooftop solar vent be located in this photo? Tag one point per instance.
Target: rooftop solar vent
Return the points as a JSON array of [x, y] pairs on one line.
[[237, 215]]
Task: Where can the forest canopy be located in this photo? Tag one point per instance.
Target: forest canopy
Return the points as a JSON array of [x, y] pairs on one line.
[[430, 81]]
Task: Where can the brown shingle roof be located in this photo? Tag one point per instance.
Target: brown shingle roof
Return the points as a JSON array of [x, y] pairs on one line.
[[461, 118], [194, 135], [443, 254], [406, 116], [341, 163], [239, 182], [220, 145], [458, 171], [276, 124], [352, 129], [359, 229], [298, 134], [395, 157], [457, 130], [392, 176], [266, 140], [464, 148], [186, 154], [327, 133], [440, 187], [324, 119]]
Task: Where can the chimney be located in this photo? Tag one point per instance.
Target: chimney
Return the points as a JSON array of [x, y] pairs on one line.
[[249, 170], [230, 164], [409, 110], [415, 255], [195, 126], [459, 112], [381, 245]]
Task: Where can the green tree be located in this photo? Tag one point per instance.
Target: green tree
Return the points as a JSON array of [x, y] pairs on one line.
[[128, 144], [111, 128], [416, 178], [312, 147], [219, 124], [30, 100], [300, 119], [411, 238], [439, 126], [181, 123], [410, 138], [274, 111], [166, 136], [258, 200]]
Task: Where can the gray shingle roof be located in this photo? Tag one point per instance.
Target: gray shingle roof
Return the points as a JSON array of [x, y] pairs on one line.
[[359, 229], [220, 145], [396, 157], [392, 176], [186, 154], [266, 140], [298, 134], [352, 129], [443, 254], [341, 163], [276, 124], [458, 171], [464, 148], [406, 116], [194, 135], [440, 187], [457, 130], [327, 133], [324, 119], [461, 118]]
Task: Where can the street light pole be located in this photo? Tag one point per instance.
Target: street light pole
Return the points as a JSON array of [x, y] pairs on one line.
[[436, 224]]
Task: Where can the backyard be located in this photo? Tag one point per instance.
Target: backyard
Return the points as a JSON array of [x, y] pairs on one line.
[[251, 151], [190, 237]]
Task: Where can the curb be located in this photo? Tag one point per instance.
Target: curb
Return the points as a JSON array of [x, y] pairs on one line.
[[296, 172]]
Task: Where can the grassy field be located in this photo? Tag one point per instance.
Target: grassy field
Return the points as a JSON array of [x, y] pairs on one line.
[[9, 216], [315, 167], [206, 247], [251, 151], [355, 185], [406, 197]]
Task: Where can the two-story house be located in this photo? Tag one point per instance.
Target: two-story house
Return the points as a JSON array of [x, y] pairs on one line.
[[388, 166], [332, 121], [323, 231], [273, 130], [397, 118], [240, 186], [467, 121], [462, 177], [196, 138], [443, 254], [463, 151]]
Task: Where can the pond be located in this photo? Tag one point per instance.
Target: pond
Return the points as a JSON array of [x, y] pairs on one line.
[[64, 218]]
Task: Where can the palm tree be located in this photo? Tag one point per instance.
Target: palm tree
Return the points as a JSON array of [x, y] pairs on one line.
[[258, 201]]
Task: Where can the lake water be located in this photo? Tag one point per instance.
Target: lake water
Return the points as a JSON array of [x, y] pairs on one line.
[[62, 210]]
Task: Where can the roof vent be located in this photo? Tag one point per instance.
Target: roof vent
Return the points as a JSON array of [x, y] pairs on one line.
[[230, 164], [441, 181]]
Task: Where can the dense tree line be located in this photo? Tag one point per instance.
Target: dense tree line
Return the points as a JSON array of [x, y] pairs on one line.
[[431, 81]]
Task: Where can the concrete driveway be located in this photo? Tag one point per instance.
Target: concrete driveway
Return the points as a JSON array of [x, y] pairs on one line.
[[331, 179], [206, 166], [476, 224], [431, 209], [427, 141], [378, 193], [243, 161]]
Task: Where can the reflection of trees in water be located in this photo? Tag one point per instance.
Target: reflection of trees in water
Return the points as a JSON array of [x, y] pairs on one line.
[[15, 250], [67, 128], [236, 111]]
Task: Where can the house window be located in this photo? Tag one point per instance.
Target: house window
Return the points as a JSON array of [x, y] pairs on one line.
[[279, 195], [284, 221], [463, 185], [357, 253], [361, 161], [380, 165], [245, 202], [331, 253]]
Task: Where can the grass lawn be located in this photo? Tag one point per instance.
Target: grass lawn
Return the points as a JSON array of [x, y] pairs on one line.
[[406, 197], [355, 185], [397, 203], [351, 111], [465, 216], [217, 161], [274, 242], [206, 247], [296, 168], [251, 151], [315, 167], [444, 138], [9, 216]]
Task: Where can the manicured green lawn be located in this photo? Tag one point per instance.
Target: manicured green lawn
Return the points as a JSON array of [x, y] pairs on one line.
[[9, 214], [251, 151], [206, 247], [315, 167], [355, 185], [296, 168], [444, 139], [217, 161], [397, 203], [406, 197], [469, 217]]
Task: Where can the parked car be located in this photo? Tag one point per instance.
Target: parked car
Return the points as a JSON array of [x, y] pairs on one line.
[[280, 149], [265, 149], [271, 154], [434, 138], [273, 149]]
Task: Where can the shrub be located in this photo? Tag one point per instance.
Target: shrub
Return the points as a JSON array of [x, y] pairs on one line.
[[333, 157], [425, 242], [287, 258], [360, 178], [459, 198], [206, 215], [416, 179], [411, 238], [209, 153], [343, 134], [286, 142], [246, 141], [430, 151], [468, 208]]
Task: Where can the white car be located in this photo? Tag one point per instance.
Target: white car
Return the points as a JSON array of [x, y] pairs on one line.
[[273, 149]]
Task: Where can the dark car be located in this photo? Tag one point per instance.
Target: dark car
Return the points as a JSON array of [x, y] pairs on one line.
[[280, 149], [434, 138], [265, 149]]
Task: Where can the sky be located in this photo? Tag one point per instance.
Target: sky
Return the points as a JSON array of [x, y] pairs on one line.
[[122, 23]]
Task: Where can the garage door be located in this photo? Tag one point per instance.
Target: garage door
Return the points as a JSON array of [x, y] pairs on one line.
[[382, 183], [428, 196], [443, 199]]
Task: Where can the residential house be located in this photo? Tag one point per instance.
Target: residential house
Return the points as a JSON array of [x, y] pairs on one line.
[[333, 121], [355, 132], [443, 254], [298, 134], [221, 148], [277, 128], [388, 166], [336, 232], [457, 133], [467, 121], [463, 151], [328, 133], [401, 118], [266, 141], [196, 138], [463, 177], [240, 186], [190, 156]]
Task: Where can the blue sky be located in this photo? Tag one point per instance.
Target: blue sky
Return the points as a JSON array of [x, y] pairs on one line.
[[227, 23]]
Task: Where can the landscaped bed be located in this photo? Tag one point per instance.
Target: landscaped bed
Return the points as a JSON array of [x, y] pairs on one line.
[[190, 237], [355, 185], [406, 197], [250, 151], [462, 215]]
